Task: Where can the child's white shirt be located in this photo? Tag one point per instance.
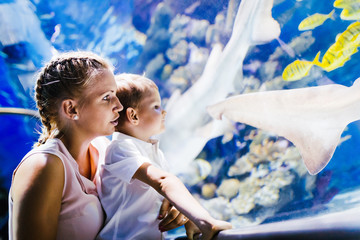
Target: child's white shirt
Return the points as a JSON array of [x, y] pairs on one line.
[[131, 206]]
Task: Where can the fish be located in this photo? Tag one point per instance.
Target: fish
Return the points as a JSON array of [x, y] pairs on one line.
[[345, 46], [191, 9], [299, 69], [253, 25], [348, 38], [57, 30], [286, 48], [312, 118], [345, 3], [48, 16], [350, 14], [314, 21], [333, 60]]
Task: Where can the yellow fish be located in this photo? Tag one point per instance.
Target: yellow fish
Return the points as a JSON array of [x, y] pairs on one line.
[[299, 69], [345, 3], [350, 14], [347, 39], [338, 47], [314, 21], [333, 60], [345, 46]]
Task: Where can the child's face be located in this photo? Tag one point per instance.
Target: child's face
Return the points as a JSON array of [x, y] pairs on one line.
[[151, 115]]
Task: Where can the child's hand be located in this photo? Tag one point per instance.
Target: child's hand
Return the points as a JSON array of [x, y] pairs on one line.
[[192, 231], [217, 226]]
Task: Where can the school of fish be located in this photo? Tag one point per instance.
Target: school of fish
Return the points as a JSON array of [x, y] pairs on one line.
[[346, 44]]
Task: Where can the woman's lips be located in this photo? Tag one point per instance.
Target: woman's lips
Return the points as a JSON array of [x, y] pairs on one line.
[[115, 122]]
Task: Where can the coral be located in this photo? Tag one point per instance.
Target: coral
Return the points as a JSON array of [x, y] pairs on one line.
[[267, 196], [179, 54], [262, 180], [228, 188], [208, 190], [198, 170], [219, 208], [240, 167], [244, 202]]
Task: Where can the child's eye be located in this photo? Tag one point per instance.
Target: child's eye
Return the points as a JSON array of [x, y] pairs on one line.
[[157, 107]]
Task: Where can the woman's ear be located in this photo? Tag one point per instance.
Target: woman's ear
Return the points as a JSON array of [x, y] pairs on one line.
[[68, 107], [132, 116]]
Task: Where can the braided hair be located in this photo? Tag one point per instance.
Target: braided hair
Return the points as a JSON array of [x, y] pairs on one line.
[[65, 76]]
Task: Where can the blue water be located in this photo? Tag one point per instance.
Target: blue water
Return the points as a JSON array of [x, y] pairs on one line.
[[118, 29]]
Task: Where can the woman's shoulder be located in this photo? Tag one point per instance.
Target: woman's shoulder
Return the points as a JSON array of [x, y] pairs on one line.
[[40, 170], [42, 162]]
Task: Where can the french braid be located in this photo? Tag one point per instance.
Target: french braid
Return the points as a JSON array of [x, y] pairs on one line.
[[65, 76]]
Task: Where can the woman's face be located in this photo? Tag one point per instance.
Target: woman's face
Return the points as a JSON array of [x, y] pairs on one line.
[[100, 107]]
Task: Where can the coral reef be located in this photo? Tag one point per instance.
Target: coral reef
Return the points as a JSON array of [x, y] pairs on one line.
[[260, 182]]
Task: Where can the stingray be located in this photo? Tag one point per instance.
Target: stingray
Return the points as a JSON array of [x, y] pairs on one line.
[[312, 118]]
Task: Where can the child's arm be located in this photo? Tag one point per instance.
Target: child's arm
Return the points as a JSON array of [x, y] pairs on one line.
[[174, 190]]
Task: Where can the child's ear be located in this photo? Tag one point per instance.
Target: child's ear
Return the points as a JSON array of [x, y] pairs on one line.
[[132, 116]]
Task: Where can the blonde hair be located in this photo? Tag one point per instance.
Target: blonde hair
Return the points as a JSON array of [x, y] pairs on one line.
[[131, 88], [65, 76]]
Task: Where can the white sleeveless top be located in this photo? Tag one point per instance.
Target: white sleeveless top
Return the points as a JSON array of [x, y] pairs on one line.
[[81, 215]]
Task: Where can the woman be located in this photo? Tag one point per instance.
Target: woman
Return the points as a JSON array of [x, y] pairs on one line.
[[52, 194]]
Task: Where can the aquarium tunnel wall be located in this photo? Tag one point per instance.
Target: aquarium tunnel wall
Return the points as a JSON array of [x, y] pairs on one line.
[[242, 174]]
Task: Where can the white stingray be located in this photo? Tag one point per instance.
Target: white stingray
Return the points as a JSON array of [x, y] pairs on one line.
[[187, 122], [312, 118]]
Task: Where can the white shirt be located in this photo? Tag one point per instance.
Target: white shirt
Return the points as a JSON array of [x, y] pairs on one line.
[[131, 206]]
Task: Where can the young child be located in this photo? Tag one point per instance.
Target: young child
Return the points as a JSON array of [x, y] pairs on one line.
[[133, 179]]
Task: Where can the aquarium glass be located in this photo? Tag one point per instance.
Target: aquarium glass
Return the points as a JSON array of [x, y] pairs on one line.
[[198, 55]]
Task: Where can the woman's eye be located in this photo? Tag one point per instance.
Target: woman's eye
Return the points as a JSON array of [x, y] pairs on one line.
[[107, 98], [157, 107]]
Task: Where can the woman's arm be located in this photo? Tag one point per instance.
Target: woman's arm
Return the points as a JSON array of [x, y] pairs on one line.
[[36, 193], [175, 191]]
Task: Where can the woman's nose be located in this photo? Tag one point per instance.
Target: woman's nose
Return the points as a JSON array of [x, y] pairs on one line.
[[118, 106]]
